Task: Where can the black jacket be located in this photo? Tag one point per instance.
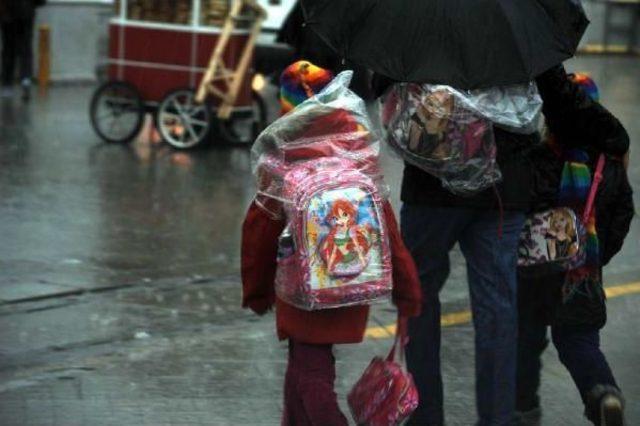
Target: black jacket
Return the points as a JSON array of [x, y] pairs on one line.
[[579, 122], [614, 212], [419, 187], [613, 204]]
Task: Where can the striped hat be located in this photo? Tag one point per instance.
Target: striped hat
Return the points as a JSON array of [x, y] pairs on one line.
[[300, 81], [587, 84]]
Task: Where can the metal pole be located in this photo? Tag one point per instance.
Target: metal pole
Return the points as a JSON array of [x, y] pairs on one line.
[[195, 23], [195, 13], [44, 57], [123, 19]]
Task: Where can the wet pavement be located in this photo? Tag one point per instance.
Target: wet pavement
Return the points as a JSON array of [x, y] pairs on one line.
[[119, 287]]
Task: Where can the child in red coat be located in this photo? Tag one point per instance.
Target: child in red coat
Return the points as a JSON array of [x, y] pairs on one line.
[[309, 395]]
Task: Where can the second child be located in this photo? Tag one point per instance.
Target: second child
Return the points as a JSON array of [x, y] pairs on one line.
[[573, 303]]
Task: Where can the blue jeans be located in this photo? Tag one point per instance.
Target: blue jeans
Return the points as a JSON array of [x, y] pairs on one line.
[[430, 233]]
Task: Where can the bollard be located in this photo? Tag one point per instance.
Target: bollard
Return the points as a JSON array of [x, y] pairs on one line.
[[44, 57]]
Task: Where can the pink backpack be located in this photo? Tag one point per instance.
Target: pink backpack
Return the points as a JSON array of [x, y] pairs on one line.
[[335, 249]]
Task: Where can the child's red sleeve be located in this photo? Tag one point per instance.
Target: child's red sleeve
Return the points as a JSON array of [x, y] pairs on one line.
[[407, 293], [260, 235]]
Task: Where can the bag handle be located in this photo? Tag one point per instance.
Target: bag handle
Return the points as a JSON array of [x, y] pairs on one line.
[[400, 340], [597, 178]]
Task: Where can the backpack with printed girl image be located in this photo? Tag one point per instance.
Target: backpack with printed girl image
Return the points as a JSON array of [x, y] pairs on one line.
[[334, 251], [449, 134], [556, 239]]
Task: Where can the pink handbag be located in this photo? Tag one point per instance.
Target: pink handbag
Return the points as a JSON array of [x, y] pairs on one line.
[[385, 394]]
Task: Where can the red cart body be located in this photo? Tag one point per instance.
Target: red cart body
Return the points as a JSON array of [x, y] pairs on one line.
[[194, 77], [158, 58]]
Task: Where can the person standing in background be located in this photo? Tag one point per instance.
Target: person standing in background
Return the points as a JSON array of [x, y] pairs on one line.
[[17, 19]]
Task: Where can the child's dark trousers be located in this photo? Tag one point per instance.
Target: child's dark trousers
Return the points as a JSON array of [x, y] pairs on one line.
[[578, 349], [309, 398]]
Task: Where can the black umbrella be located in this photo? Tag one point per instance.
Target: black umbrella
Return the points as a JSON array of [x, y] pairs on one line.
[[467, 44]]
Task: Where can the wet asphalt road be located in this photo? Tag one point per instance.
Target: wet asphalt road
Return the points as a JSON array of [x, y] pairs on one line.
[[119, 286]]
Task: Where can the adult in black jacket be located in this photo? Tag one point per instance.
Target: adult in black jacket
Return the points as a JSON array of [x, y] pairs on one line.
[[16, 20], [575, 121], [511, 194], [486, 226]]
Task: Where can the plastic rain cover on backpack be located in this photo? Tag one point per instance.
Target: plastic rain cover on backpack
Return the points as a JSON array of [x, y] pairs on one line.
[[516, 108], [317, 167], [433, 128]]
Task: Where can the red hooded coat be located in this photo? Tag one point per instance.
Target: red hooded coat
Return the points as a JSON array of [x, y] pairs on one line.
[[260, 234]]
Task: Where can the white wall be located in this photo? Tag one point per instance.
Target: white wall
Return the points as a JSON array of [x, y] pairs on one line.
[[595, 31], [78, 36]]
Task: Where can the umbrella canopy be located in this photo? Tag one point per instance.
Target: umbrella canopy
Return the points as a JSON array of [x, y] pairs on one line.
[[466, 44]]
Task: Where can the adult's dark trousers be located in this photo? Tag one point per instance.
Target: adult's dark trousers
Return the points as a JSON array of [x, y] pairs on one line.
[[489, 245], [578, 349], [17, 49], [309, 397]]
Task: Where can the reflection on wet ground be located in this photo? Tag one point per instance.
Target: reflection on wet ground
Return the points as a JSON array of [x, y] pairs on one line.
[[119, 288]]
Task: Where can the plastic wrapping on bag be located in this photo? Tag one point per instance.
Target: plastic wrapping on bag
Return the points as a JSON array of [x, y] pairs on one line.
[[385, 394], [434, 128], [340, 255], [333, 123], [317, 167], [516, 108]]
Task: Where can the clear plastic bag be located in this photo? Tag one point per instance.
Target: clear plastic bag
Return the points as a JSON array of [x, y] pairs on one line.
[[318, 167], [333, 123], [341, 254], [515, 108], [435, 129]]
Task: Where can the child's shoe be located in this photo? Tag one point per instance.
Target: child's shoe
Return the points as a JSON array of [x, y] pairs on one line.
[[531, 417], [605, 406], [611, 411]]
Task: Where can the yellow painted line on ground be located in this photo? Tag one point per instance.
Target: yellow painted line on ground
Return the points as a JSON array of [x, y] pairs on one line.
[[446, 320], [596, 48], [464, 317], [622, 290]]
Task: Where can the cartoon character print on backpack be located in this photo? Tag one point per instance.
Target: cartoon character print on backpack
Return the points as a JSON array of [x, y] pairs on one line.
[[427, 131], [345, 250], [561, 236], [550, 236], [344, 229], [436, 129]]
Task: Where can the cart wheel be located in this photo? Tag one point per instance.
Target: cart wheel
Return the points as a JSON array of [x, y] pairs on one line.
[[243, 129], [182, 122], [116, 111]]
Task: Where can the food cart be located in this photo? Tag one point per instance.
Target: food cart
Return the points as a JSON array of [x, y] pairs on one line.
[[187, 62]]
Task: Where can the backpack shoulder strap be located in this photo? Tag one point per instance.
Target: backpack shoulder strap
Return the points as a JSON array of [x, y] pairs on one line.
[[597, 178]]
